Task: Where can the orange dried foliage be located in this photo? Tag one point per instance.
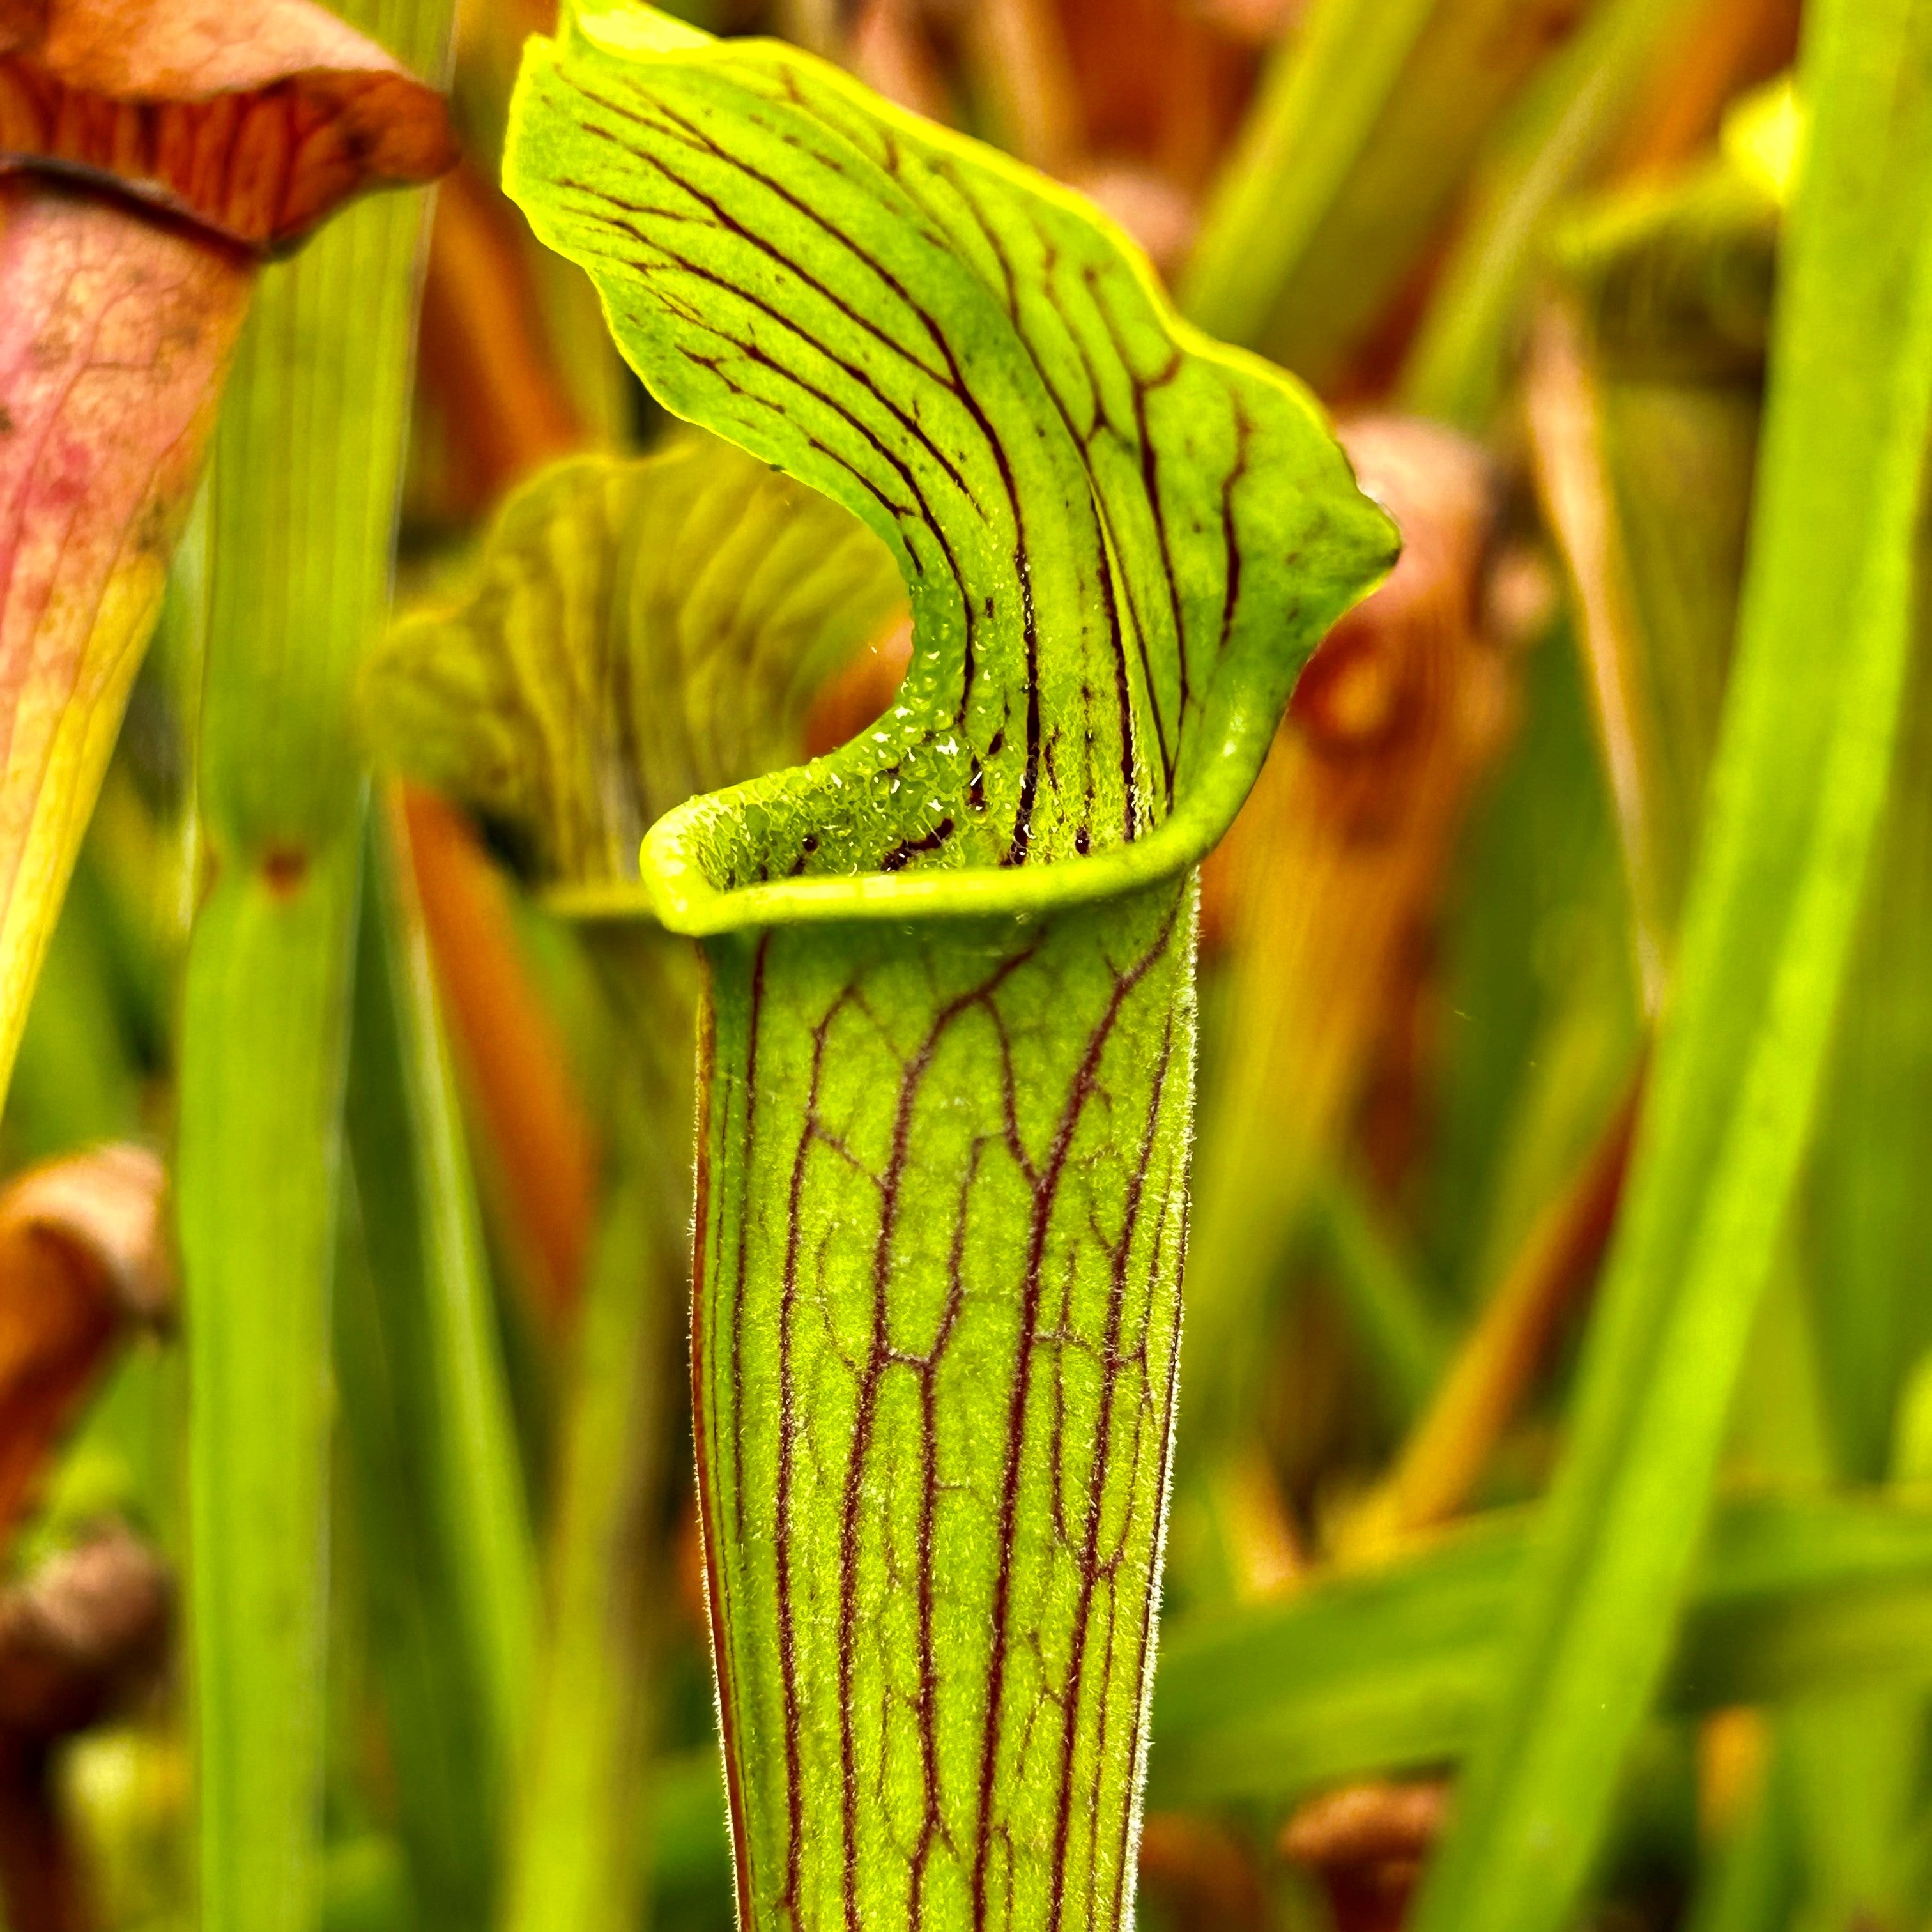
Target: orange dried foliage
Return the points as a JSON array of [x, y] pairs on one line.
[[541, 1143], [254, 118], [487, 364], [82, 1257], [1160, 81]]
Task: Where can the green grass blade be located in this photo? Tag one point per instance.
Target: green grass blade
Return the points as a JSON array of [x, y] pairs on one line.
[[1573, 109], [1388, 1307], [1796, 793], [469, 1449], [1866, 1225], [1364, 127], [434, 1726], [265, 1034], [573, 1863], [76, 1079], [426, 1412], [302, 509], [1315, 114], [1397, 1667], [1750, 1882]]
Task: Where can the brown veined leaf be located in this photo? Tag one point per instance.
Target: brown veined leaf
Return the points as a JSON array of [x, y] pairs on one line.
[[246, 121], [82, 1258], [255, 119]]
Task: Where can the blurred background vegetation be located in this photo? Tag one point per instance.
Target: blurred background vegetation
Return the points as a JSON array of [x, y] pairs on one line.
[[1526, 251]]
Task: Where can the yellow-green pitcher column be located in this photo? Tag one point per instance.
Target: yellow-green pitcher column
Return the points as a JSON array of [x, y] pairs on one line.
[[943, 1189], [308, 459]]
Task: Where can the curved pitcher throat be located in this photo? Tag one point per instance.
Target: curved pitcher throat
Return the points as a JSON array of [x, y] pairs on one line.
[[942, 1212]]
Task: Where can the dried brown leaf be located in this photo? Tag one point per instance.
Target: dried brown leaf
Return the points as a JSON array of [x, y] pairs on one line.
[[84, 1639], [82, 1256], [1366, 1843]]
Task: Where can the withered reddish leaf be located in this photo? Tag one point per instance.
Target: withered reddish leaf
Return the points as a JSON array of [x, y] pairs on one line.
[[114, 335], [81, 1256], [252, 117]]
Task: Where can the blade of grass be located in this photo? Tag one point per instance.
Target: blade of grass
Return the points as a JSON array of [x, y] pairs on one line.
[[1539, 975], [1644, 425], [1796, 793], [1856, 1766], [426, 1410], [573, 1866], [1397, 1666], [75, 1080], [1389, 1308], [538, 1140], [1571, 114], [302, 509], [433, 1723], [1867, 1218], [1364, 125], [1750, 1885]]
